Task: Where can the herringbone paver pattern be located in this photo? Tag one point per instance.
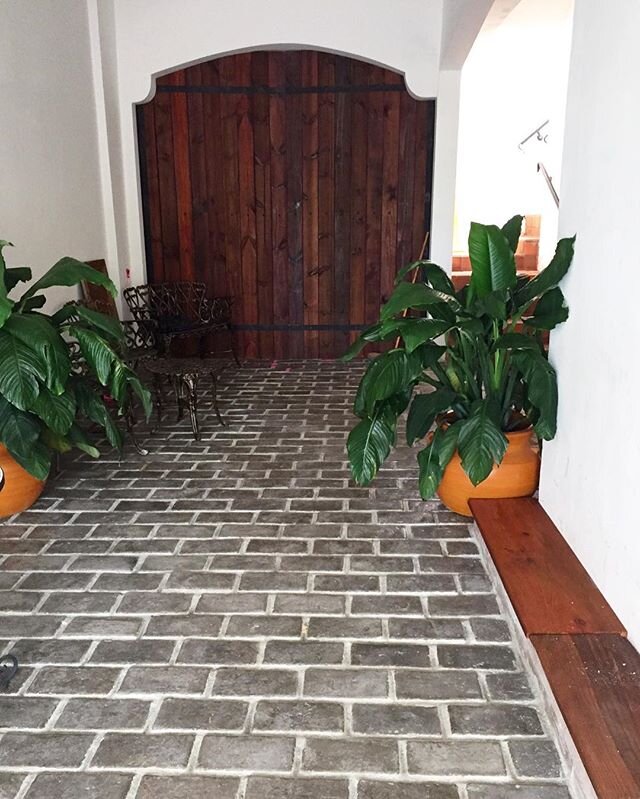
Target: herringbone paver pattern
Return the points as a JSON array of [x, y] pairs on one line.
[[234, 619]]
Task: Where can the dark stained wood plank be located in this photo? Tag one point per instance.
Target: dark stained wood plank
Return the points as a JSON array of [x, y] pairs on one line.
[[358, 233], [406, 150], [342, 205], [216, 198], [167, 189], [293, 74], [375, 133], [182, 167], [203, 268], [326, 210], [153, 234], [262, 177], [230, 116], [390, 160], [326, 198], [310, 249], [549, 588], [280, 263], [596, 682], [247, 202]]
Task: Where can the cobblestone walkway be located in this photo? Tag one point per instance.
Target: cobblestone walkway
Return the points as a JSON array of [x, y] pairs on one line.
[[232, 619]]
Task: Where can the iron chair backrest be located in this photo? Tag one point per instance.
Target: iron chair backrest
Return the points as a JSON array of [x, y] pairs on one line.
[[170, 305]]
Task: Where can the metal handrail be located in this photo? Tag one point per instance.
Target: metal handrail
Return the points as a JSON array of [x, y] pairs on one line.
[[542, 168]]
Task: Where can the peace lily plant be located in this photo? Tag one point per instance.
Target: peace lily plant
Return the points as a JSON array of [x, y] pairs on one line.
[[473, 361], [46, 396]]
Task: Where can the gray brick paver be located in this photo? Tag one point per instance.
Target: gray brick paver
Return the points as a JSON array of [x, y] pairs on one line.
[[246, 621]]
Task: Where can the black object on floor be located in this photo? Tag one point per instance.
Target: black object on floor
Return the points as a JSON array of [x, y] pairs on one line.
[[8, 670]]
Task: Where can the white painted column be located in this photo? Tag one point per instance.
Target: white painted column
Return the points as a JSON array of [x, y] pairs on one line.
[[444, 174]]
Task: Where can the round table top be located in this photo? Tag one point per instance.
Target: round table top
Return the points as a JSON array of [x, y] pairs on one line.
[[184, 366]]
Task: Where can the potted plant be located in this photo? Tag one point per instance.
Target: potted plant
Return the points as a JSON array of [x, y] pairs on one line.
[[57, 372], [473, 363]]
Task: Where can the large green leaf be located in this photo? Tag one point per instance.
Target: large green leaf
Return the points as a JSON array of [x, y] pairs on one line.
[[368, 445], [493, 266], [423, 412], [542, 389], [438, 278], [56, 411], [124, 380], [93, 407], [492, 304], [416, 295], [388, 374], [19, 432], [15, 275], [415, 332], [104, 324], [97, 353], [512, 230], [70, 272], [481, 443], [430, 354], [516, 341], [78, 438], [549, 277], [21, 369], [550, 311], [429, 469], [6, 305], [38, 333]]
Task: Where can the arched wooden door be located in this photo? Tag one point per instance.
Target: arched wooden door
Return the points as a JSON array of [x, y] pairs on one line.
[[297, 182]]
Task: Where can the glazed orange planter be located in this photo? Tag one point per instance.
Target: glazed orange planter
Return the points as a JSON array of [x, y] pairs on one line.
[[516, 476], [21, 489]]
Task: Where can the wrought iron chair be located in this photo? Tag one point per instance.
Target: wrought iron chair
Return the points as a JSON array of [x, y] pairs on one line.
[[181, 310]]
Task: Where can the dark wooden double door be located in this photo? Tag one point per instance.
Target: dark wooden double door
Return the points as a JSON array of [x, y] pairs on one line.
[[296, 182]]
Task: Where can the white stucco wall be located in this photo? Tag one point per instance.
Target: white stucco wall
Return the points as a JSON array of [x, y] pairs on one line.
[[140, 39], [514, 79], [50, 202], [591, 471]]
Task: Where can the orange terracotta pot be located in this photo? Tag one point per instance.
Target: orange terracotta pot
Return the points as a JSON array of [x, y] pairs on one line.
[[516, 476], [20, 489]]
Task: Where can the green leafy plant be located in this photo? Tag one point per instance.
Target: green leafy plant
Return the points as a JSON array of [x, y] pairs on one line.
[[59, 371], [477, 355]]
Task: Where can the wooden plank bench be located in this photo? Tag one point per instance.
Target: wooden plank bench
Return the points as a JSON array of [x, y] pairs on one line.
[[596, 682], [593, 671], [549, 588]]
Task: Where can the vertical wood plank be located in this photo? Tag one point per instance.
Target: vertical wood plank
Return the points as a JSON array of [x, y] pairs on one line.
[[155, 262], [310, 203], [230, 116], [216, 199], [342, 205], [277, 123], [359, 127], [203, 268], [247, 202], [405, 181], [167, 189], [391, 138], [182, 167], [262, 177], [326, 211], [293, 135], [375, 133]]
